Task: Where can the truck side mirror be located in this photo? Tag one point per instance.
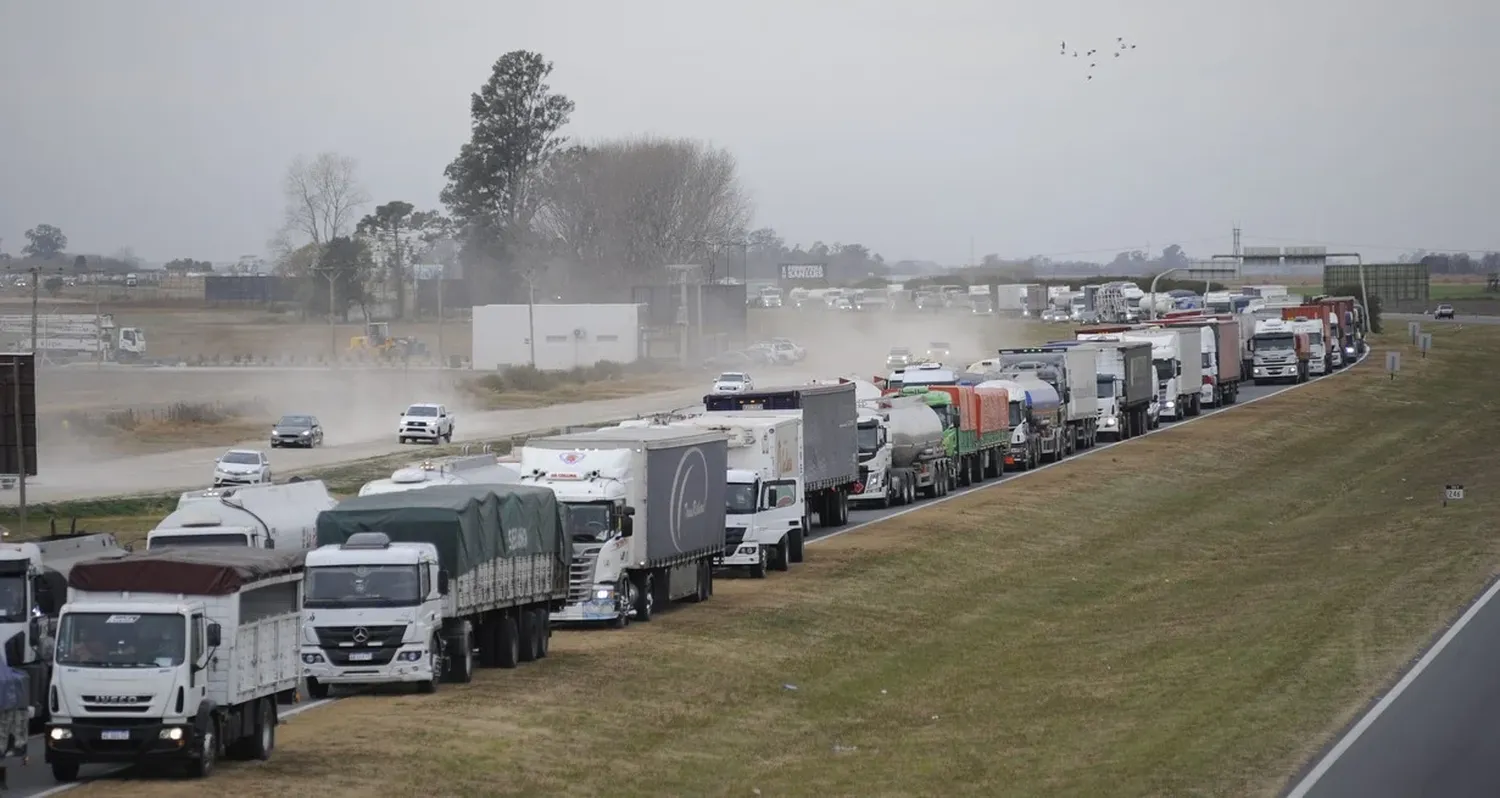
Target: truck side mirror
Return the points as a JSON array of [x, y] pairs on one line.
[[1179, 369], [442, 583], [627, 526], [215, 635], [627, 511], [50, 588]]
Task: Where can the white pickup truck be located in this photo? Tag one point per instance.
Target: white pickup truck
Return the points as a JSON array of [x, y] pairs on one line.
[[425, 421]]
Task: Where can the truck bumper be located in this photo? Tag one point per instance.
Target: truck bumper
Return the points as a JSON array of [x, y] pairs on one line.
[[744, 554], [124, 740], [410, 664], [416, 434], [1274, 372], [1317, 366], [591, 611], [1109, 427]]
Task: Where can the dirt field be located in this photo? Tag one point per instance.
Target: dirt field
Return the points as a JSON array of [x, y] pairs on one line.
[[1186, 615]]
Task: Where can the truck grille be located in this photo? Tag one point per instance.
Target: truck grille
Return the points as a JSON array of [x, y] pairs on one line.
[[733, 537], [375, 636], [581, 572]]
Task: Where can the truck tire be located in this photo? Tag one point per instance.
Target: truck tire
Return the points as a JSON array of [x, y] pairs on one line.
[[263, 741], [645, 598], [435, 654], [508, 652], [316, 690], [758, 570], [461, 658], [208, 754], [544, 632], [526, 634], [65, 772], [782, 561], [795, 543]]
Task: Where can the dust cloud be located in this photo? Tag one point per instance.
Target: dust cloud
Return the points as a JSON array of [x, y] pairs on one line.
[[842, 344]]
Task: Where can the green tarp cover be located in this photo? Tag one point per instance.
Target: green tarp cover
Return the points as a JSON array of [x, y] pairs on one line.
[[469, 524]]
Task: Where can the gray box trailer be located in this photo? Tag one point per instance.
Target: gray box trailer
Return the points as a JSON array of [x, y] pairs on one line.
[[830, 438]]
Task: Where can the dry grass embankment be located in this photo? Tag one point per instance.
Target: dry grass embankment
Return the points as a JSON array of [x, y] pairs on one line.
[[1187, 614]]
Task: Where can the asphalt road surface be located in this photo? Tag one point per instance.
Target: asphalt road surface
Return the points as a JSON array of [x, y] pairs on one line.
[[36, 781], [1436, 733]]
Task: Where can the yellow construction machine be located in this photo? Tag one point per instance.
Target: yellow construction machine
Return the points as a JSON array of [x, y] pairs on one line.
[[377, 340]]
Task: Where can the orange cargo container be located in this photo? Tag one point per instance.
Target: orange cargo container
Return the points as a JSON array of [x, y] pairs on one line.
[[965, 400], [994, 410]]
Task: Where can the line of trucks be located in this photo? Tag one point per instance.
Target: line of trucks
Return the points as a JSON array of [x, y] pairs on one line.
[[185, 652]]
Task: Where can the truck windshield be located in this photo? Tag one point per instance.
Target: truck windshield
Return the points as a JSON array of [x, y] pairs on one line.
[[13, 607], [1273, 342], [1315, 339], [869, 437], [342, 586], [739, 499], [588, 523], [236, 539], [121, 640], [1106, 386], [1165, 369], [1015, 414]]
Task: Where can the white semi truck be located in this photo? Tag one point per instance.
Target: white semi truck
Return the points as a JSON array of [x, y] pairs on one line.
[[645, 516], [1126, 385], [901, 451], [258, 516], [765, 515], [33, 587], [1281, 352], [478, 469], [175, 656], [405, 586], [1179, 369]]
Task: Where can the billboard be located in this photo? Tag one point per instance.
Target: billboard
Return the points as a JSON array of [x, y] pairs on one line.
[[1392, 282], [810, 275], [17, 413]]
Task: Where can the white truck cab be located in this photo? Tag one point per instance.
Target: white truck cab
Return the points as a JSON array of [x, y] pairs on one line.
[[1179, 372], [257, 517], [425, 421], [369, 610], [765, 510]]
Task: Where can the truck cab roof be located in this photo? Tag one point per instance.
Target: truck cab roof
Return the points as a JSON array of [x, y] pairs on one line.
[[397, 553], [103, 604]]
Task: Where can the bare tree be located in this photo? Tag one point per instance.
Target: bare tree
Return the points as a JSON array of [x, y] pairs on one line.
[[323, 200], [620, 210]]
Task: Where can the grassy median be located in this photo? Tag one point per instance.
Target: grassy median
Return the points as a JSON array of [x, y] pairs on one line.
[[1188, 614]]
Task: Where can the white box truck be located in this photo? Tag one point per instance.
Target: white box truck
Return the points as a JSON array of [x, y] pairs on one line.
[[176, 656], [765, 515], [1177, 355], [645, 514], [405, 586], [257, 517]]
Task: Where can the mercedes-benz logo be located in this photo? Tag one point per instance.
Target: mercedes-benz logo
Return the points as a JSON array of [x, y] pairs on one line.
[[361, 634]]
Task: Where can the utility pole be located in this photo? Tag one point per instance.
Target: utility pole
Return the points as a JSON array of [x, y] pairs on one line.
[[331, 275]]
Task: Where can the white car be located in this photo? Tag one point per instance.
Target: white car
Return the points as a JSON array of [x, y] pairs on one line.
[[242, 467], [733, 382], [786, 351], [425, 421]]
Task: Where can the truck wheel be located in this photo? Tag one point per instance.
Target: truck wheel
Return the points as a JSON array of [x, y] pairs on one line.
[[508, 653], [65, 772], [758, 570], [782, 560], [316, 690], [208, 754], [264, 741], [625, 600], [461, 658], [645, 599], [435, 656], [543, 632], [795, 543], [526, 636]]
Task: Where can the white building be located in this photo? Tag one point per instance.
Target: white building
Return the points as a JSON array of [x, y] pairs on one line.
[[567, 336]]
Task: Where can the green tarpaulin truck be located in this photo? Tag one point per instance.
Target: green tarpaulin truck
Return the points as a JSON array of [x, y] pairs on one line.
[[405, 587]]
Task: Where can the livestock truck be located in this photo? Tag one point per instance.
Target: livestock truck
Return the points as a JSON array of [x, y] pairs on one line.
[[1281, 352], [256, 516], [33, 588], [645, 512], [766, 517], [404, 586], [176, 656], [1126, 386], [1312, 320], [976, 433], [1035, 417], [1073, 374], [901, 451], [1220, 344], [830, 458]]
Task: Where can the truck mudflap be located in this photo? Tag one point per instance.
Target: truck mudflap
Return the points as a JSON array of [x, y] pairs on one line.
[[120, 740]]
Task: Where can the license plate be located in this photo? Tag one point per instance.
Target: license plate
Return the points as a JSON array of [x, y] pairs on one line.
[[114, 735], [361, 656]]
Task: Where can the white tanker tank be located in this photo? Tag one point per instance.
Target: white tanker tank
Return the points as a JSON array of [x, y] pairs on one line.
[[1041, 397], [915, 432]]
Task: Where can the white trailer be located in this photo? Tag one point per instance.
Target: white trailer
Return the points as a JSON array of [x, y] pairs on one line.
[[1179, 368], [765, 511], [74, 334], [258, 516], [177, 656]]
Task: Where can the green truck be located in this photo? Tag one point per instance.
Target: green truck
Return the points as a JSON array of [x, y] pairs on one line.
[[976, 429], [405, 587]]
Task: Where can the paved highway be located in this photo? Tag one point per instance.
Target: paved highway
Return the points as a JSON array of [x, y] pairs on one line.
[[1436, 733], [36, 781]]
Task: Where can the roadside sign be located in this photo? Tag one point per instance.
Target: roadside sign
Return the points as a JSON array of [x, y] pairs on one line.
[[1426, 343], [1452, 493], [1392, 363], [1414, 329]]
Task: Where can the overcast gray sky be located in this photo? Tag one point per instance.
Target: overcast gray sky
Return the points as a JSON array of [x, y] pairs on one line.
[[909, 127]]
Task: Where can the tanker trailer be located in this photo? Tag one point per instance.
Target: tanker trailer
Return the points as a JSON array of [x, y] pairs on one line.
[[1036, 420], [901, 452]]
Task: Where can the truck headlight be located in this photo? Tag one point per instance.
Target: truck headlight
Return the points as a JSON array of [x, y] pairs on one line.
[[604, 593], [311, 659], [1171, 404], [410, 656], [59, 733], [1109, 422], [173, 733]]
